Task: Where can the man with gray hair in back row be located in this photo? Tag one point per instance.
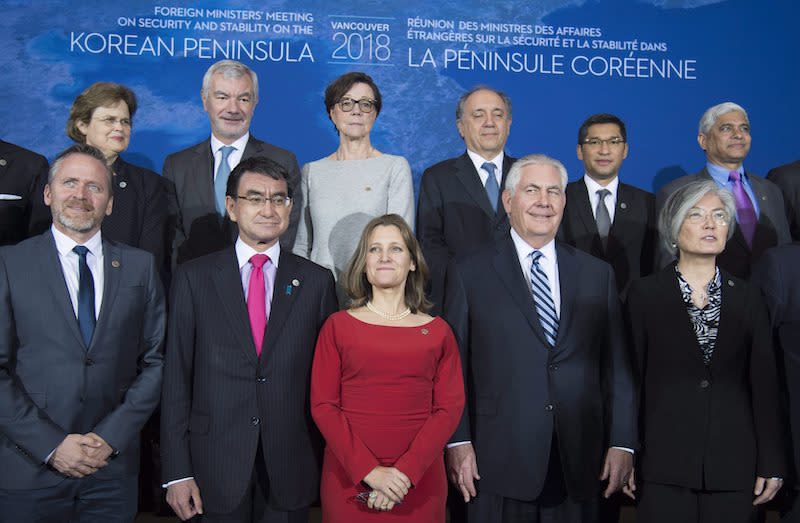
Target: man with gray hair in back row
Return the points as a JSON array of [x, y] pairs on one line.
[[200, 172], [724, 135]]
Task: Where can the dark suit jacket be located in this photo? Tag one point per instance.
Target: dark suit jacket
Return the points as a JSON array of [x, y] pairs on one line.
[[51, 383], [787, 178], [199, 229], [22, 173], [776, 273], [140, 212], [519, 391], [454, 216], [220, 399], [772, 228], [714, 427], [632, 239]]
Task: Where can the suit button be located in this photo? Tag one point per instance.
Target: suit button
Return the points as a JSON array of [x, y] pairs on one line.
[[89, 362], [552, 366], [261, 379], [254, 420], [549, 407], [704, 384]]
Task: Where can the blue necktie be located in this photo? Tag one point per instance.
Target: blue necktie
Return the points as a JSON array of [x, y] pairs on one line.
[[545, 308], [221, 179], [492, 189], [86, 319]]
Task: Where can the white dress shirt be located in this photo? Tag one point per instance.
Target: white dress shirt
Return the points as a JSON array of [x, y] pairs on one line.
[[236, 155], [478, 161], [611, 200], [69, 265], [548, 262]]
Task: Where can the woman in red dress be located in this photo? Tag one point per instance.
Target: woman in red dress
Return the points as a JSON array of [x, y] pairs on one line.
[[386, 388]]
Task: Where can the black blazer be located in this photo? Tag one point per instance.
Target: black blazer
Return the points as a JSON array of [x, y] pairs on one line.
[[631, 240], [520, 391], [776, 273], [772, 228], [712, 427], [199, 229], [23, 175], [51, 383], [454, 216], [139, 215], [219, 399], [787, 178]]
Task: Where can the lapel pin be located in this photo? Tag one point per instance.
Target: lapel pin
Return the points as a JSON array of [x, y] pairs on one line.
[[623, 205], [763, 198], [123, 184], [3, 162], [367, 188], [730, 283], [424, 331], [295, 282], [115, 264]]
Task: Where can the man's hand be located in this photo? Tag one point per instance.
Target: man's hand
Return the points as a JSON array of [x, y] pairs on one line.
[[766, 489], [462, 468], [184, 498], [103, 451], [617, 469], [70, 456], [388, 481]]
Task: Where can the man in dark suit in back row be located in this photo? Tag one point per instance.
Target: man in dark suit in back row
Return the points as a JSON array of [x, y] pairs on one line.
[[81, 332], [23, 175], [609, 219], [724, 135], [238, 441], [200, 172], [551, 398], [787, 178], [459, 204]]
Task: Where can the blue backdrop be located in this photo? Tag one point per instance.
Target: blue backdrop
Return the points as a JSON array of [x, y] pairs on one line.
[[656, 63]]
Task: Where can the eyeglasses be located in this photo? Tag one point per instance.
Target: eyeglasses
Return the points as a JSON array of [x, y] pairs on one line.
[[610, 142], [111, 121], [697, 216], [365, 104], [258, 200]]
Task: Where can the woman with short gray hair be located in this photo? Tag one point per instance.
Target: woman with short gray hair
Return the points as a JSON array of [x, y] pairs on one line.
[[711, 431]]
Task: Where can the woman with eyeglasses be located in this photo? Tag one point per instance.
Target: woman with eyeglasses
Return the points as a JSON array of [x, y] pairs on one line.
[[102, 116], [712, 436], [357, 182]]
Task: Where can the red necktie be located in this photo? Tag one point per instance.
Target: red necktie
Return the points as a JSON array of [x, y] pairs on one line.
[[256, 300]]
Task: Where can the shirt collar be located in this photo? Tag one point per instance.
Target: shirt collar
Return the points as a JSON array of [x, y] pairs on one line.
[[244, 252], [479, 160], [524, 249], [65, 244], [239, 144], [592, 186], [721, 174]]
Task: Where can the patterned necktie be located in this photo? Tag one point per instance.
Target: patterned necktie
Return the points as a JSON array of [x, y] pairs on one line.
[[221, 179], [545, 307], [492, 189], [745, 213], [86, 318], [602, 217], [257, 300]]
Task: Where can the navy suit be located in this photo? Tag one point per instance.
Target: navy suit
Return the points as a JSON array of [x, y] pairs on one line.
[[787, 178]]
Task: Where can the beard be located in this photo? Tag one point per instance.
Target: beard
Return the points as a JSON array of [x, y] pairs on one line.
[[76, 224]]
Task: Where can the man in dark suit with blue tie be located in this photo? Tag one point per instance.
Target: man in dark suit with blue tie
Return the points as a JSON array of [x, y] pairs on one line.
[[81, 332], [238, 441], [550, 392]]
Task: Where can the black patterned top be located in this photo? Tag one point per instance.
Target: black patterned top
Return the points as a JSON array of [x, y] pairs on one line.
[[705, 321]]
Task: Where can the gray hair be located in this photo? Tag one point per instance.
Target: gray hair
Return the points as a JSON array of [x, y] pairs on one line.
[[713, 113], [87, 150], [681, 201], [514, 175], [463, 99], [229, 69]]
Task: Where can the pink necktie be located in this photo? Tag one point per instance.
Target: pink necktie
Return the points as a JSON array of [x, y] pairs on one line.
[[744, 208], [256, 300]]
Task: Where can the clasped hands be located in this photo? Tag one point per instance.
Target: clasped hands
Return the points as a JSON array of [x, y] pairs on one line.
[[389, 487], [80, 455]]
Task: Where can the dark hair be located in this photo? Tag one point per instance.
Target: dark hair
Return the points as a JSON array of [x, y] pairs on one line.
[[601, 118], [100, 94], [355, 282], [259, 165], [463, 99], [339, 87], [88, 150]]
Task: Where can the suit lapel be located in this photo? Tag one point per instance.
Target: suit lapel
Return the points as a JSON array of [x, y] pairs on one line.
[[112, 264], [253, 148], [288, 285], [507, 163], [729, 330], [568, 271], [506, 264], [584, 209], [674, 306], [468, 176], [53, 276], [228, 283], [202, 170], [624, 213]]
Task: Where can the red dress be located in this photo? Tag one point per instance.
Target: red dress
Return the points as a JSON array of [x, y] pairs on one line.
[[388, 396]]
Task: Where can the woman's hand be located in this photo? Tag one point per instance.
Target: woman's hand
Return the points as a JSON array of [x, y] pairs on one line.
[[388, 481], [766, 489], [378, 501]]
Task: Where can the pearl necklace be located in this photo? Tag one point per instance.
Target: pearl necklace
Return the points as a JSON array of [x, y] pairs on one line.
[[386, 316]]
